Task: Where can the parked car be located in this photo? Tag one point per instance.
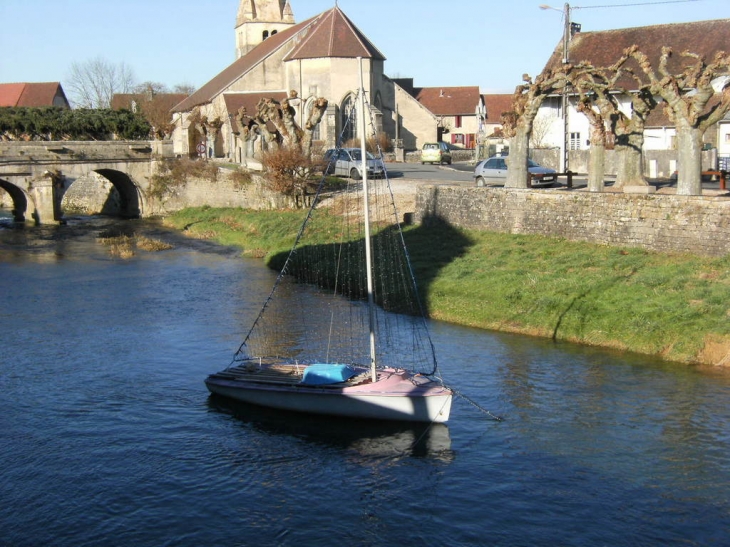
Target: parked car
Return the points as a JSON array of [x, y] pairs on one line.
[[494, 171], [347, 162], [435, 152]]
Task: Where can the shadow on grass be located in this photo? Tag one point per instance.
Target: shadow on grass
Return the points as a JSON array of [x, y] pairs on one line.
[[431, 245]]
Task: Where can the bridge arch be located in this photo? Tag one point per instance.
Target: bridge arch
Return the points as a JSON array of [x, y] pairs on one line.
[[128, 205], [20, 200]]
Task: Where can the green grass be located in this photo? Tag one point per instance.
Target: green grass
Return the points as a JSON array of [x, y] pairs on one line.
[[676, 306]]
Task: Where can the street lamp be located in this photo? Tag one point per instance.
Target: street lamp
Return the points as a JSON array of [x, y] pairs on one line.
[[564, 98]]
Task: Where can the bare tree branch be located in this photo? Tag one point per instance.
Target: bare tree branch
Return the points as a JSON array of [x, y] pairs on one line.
[[92, 84]]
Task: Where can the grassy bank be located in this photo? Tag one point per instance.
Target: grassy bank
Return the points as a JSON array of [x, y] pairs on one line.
[[674, 306]]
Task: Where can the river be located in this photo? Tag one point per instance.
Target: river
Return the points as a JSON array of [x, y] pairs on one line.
[[108, 436]]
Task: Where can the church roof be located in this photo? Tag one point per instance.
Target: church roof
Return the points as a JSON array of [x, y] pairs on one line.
[[249, 101], [449, 101], [332, 34], [329, 34]]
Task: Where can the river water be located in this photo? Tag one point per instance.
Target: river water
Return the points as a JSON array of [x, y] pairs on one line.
[[108, 436]]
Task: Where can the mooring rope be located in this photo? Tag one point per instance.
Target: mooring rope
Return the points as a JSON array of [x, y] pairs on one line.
[[477, 405]]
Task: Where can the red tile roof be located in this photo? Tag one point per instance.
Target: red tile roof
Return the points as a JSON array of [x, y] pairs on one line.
[[332, 20], [495, 105], [10, 94], [604, 48], [449, 101], [31, 95], [332, 34]]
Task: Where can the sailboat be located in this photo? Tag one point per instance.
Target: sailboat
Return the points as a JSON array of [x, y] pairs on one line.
[[343, 332]]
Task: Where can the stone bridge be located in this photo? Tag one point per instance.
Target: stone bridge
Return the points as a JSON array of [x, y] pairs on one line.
[[36, 175]]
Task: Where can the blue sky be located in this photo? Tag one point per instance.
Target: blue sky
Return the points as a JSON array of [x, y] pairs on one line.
[[489, 43]]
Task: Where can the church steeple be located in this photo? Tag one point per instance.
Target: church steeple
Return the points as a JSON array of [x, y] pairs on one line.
[[259, 19]]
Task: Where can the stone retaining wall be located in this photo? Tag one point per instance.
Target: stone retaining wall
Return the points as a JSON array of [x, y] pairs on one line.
[[666, 223]]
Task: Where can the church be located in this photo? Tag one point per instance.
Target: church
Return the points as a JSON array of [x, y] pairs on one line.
[[279, 58]]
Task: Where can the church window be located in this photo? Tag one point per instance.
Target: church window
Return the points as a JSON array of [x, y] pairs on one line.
[[348, 119]]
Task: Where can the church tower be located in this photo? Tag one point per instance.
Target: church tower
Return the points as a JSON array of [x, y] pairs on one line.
[[259, 19]]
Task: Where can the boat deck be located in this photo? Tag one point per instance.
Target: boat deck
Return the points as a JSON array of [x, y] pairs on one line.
[[277, 373]]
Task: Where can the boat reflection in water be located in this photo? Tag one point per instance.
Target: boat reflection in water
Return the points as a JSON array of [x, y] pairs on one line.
[[368, 438]]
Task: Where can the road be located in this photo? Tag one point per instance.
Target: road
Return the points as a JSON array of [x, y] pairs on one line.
[[462, 174]]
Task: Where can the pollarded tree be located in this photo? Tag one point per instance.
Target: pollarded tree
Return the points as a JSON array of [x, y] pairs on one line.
[[599, 91], [686, 98], [289, 163], [596, 103], [517, 124]]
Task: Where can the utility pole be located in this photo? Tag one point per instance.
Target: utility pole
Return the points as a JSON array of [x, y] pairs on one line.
[[564, 98], [564, 95]]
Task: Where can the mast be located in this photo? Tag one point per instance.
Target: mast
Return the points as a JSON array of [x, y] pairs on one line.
[[366, 210]]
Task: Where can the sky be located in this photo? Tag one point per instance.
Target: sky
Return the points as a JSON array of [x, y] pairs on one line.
[[485, 43]]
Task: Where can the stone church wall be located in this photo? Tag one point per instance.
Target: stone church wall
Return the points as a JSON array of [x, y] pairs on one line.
[[658, 222]]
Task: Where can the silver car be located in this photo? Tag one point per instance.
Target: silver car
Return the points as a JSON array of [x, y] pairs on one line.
[[347, 162], [494, 171]]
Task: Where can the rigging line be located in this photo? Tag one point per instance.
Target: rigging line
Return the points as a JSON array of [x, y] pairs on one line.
[[292, 252], [477, 406], [282, 273], [414, 284]]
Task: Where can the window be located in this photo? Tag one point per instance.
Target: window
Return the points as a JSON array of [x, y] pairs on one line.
[[457, 121], [574, 141], [727, 137], [265, 35], [348, 119]]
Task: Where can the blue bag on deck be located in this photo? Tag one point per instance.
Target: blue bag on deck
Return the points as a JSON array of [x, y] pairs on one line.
[[324, 374]]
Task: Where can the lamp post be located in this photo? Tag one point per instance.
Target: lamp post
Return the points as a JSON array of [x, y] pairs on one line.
[[564, 98]]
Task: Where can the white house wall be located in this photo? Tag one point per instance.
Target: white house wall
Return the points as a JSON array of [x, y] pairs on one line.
[[723, 138], [655, 138]]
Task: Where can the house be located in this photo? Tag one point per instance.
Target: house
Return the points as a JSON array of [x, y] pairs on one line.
[[490, 137], [603, 49], [319, 57], [458, 111], [33, 95]]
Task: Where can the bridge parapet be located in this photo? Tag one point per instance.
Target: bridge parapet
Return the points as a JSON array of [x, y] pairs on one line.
[[47, 151]]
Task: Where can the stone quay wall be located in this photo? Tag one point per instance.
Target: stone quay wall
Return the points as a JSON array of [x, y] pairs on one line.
[[657, 222], [223, 192]]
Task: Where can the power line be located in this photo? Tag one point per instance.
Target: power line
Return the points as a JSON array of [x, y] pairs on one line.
[[635, 4]]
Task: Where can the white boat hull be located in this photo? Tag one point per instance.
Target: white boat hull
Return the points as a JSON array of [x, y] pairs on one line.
[[395, 396]]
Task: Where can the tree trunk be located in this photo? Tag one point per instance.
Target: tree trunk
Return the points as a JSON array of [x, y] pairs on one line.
[[517, 172], [630, 160], [689, 159], [596, 166], [597, 158]]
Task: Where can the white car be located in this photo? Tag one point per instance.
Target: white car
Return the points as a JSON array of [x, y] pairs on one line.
[[347, 162], [494, 171]]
